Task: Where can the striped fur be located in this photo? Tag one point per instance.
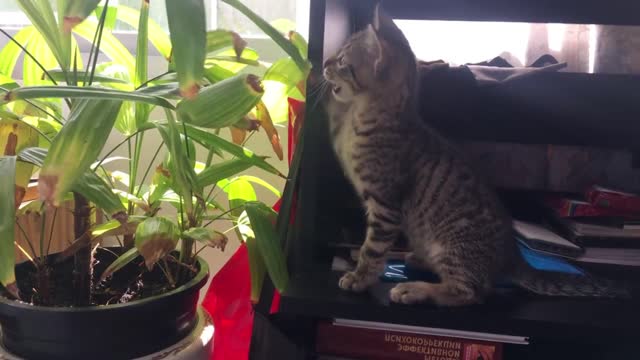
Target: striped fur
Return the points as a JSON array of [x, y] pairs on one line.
[[412, 181]]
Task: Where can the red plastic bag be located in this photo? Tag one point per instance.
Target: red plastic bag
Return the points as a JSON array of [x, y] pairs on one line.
[[228, 298], [228, 302]]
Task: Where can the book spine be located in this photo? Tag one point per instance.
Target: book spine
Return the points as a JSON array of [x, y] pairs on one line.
[[374, 344]]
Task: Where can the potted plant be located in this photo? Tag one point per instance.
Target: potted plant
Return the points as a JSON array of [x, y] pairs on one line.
[[139, 294]]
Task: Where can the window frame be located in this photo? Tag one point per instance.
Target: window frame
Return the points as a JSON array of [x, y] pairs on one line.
[[267, 49]]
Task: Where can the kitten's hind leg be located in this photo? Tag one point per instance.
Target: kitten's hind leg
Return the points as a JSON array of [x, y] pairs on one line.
[[446, 293], [382, 231]]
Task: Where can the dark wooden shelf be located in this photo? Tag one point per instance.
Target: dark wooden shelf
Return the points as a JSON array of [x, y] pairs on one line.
[[316, 294], [614, 12]]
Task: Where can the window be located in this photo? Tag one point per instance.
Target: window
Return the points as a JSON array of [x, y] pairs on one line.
[[584, 48], [284, 14]]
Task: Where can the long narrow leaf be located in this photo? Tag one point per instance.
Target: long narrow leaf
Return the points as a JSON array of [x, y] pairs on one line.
[[220, 39], [142, 51], [11, 52], [79, 92], [261, 217], [15, 136], [77, 11], [120, 262], [96, 190], [183, 175], [41, 15], [188, 32], [76, 147], [209, 140], [273, 33], [59, 76], [110, 45], [7, 221], [223, 170], [157, 36]]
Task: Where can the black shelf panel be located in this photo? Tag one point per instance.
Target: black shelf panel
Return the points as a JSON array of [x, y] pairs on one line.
[[559, 108], [316, 294], [614, 12]]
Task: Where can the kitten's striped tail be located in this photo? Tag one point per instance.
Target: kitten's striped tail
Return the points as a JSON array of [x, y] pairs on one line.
[[563, 284]]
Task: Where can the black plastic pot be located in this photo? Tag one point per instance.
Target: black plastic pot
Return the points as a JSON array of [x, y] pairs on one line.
[[121, 331]]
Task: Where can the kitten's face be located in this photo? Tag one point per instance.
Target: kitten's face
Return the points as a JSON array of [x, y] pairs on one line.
[[377, 59], [351, 70]]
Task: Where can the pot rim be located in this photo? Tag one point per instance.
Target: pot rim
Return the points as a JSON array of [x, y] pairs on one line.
[[200, 278]]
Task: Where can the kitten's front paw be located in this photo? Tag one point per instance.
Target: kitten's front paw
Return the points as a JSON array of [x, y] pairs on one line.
[[353, 282], [409, 293]]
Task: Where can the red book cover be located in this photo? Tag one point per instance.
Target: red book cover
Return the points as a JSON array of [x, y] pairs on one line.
[[614, 199], [374, 344]]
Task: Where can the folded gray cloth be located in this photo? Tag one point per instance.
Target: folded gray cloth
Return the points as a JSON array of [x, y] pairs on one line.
[[492, 75]]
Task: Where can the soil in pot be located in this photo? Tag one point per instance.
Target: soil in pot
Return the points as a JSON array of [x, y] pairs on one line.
[[52, 285]]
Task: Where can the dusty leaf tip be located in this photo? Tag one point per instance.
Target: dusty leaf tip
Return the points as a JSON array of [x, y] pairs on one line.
[[70, 22], [255, 83], [190, 91], [239, 44], [47, 185]]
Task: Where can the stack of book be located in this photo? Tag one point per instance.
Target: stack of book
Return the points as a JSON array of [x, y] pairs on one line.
[[352, 339], [605, 224]]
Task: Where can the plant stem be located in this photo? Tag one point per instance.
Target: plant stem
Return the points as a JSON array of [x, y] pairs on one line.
[[53, 224], [128, 238], [146, 173], [26, 237], [83, 258], [43, 224]]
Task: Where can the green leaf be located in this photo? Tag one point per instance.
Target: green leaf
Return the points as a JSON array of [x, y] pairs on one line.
[[157, 36], [206, 236], [257, 268], [223, 103], [77, 11], [183, 175], [110, 19], [109, 45], [41, 15], [285, 44], [97, 191], [142, 55], [82, 92], [33, 155], [89, 185], [7, 221], [76, 147], [221, 39], [299, 42], [223, 170], [188, 33], [261, 217], [155, 238], [116, 227], [11, 52], [258, 181], [228, 60], [209, 140], [59, 76], [32, 73], [285, 71], [120, 262], [215, 73], [239, 192]]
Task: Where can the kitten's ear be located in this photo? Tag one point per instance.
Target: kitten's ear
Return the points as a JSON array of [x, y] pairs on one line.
[[383, 24], [376, 43]]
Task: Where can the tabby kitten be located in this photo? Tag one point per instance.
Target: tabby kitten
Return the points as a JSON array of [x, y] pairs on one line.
[[412, 181]]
